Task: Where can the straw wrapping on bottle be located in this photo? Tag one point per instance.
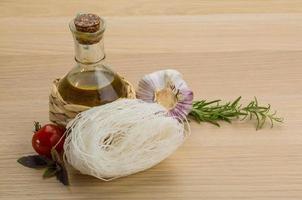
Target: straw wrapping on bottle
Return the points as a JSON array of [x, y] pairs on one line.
[[61, 112]]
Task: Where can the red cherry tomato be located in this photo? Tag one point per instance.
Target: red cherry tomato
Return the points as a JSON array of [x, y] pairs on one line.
[[47, 137]]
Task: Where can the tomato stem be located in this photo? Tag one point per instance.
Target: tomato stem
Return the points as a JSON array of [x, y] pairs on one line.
[[37, 126]]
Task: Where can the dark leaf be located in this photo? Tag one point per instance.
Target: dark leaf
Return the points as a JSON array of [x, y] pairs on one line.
[[62, 174], [34, 161], [50, 172]]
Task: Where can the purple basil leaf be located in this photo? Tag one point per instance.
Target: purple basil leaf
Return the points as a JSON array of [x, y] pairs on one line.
[[34, 161], [62, 174]]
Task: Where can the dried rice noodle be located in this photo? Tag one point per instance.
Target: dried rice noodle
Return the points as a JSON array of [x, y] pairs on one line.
[[122, 138]]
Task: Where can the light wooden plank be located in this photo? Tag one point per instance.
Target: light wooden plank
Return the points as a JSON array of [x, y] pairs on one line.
[[223, 48], [54, 8]]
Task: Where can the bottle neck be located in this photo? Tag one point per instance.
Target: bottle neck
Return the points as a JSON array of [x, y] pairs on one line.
[[89, 47], [89, 53]]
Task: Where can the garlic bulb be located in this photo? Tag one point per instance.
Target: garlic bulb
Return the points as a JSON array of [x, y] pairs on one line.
[[167, 88], [122, 138]]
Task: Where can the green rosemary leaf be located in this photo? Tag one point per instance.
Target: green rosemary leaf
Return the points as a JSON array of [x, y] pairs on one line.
[[214, 111], [257, 118], [263, 120], [235, 103], [226, 119], [213, 122]]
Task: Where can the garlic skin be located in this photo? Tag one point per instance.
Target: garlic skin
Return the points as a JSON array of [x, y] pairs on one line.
[[167, 88]]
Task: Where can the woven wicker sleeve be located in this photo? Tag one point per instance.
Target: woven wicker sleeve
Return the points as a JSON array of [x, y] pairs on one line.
[[61, 112]]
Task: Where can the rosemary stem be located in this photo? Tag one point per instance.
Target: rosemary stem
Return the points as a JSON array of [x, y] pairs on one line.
[[214, 111]]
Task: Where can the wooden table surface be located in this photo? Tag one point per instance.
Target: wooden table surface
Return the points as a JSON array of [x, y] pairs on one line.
[[224, 49]]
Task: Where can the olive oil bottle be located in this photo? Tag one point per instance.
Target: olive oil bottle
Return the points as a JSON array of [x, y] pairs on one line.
[[90, 82]]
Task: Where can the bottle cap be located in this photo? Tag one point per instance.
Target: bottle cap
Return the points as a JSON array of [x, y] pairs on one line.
[[88, 23]]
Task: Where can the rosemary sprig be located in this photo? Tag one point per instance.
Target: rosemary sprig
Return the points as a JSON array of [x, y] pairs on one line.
[[214, 111]]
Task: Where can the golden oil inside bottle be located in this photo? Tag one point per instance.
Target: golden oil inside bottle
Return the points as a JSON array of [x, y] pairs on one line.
[[91, 88]]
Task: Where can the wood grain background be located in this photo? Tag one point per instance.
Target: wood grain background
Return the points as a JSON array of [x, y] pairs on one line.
[[224, 48]]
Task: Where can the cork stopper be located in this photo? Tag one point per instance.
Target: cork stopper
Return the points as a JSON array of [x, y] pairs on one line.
[[88, 23], [87, 28]]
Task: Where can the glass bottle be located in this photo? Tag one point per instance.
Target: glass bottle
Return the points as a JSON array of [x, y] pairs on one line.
[[90, 82]]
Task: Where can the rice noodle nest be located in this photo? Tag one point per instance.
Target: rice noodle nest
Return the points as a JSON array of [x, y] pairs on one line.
[[122, 138]]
